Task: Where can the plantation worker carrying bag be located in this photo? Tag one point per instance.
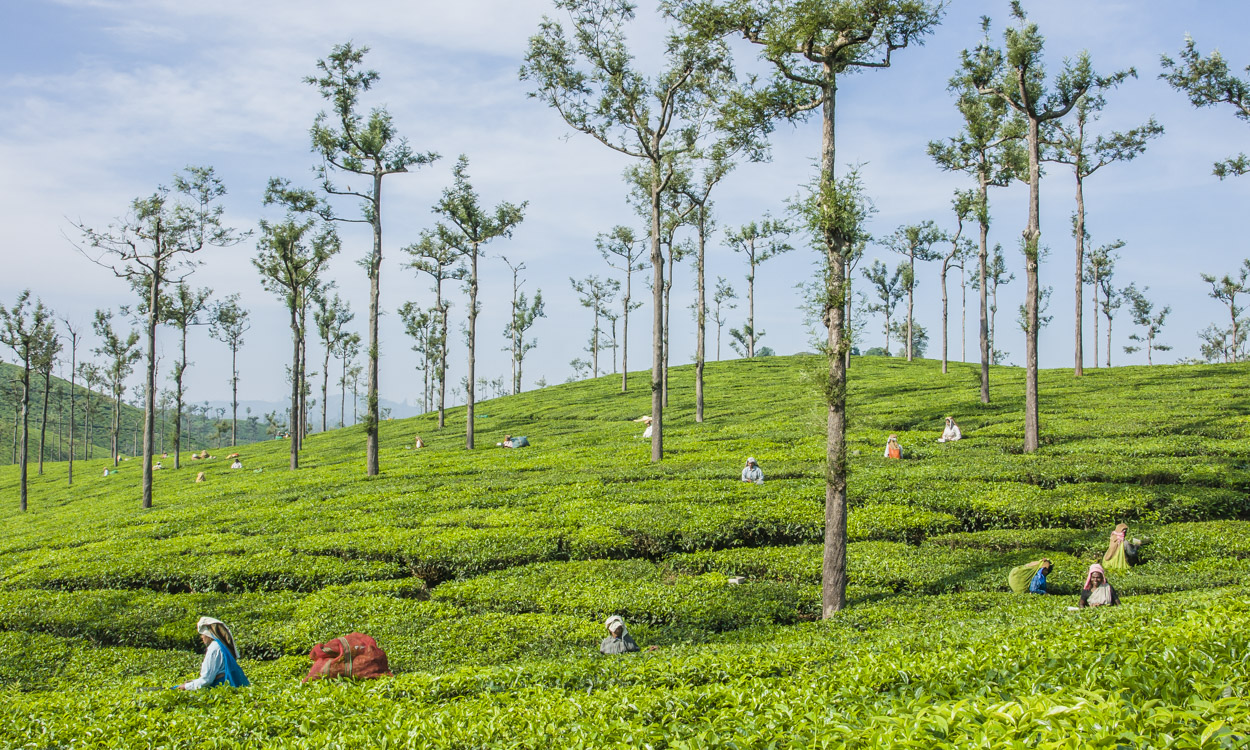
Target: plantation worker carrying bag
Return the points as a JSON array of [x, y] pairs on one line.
[[1030, 577], [355, 656], [619, 641], [892, 450], [1121, 551], [221, 660]]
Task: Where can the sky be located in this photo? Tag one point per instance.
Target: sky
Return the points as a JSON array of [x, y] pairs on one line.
[[101, 101]]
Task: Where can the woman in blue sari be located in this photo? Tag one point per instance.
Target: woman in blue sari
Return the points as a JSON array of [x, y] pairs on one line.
[[221, 660]]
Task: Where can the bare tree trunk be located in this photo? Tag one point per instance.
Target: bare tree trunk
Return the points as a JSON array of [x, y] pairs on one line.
[[668, 315], [1079, 353], [944, 319], [442, 357], [1032, 239], [629, 273], [468, 421], [700, 340], [911, 296], [149, 396], [234, 394], [751, 305], [296, 382], [833, 570], [325, 387], [982, 261], [343, 395], [23, 450], [182, 366], [73, 397], [657, 324], [43, 422], [1108, 340], [372, 423], [963, 314], [1094, 314]]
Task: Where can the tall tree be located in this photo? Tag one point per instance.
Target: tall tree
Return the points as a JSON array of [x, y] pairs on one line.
[[989, 149], [290, 258], [25, 329], [155, 245], [1144, 315], [721, 304], [624, 252], [348, 351], [433, 254], [996, 276], [1225, 290], [889, 289], [1018, 78], [914, 242], [759, 242], [74, 333], [181, 309], [471, 226], [1072, 144], [525, 313], [91, 377], [964, 203], [227, 324], [45, 360], [1207, 82], [120, 355], [422, 327], [1112, 298], [595, 294], [592, 81], [1099, 266], [331, 316], [350, 144]]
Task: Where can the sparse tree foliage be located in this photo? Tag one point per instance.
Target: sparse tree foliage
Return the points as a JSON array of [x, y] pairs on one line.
[[434, 255], [120, 355], [1207, 82], [1226, 289], [721, 305], [525, 313], [914, 242], [1143, 312], [227, 324], [758, 242], [331, 316], [181, 309], [963, 204], [349, 144], [595, 294], [26, 329], [1099, 267], [889, 289], [624, 252]]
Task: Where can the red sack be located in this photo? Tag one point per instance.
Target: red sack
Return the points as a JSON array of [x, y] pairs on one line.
[[355, 655]]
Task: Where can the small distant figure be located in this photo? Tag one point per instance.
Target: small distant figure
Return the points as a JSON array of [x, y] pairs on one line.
[[951, 433], [1030, 577], [106, 472], [418, 443], [645, 419], [1121, 551], [891, 447], [520, 441], [204, 454], [619, 641], [233, 455], [751, 472], [238, 463], [199, 477], [157, 466], [1098, 591]]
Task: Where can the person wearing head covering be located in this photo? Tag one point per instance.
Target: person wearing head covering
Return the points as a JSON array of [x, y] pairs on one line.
[[751, 472], [418, 443], [1121, 551], [1030, 577], [238, 463], [891, 447], [221, 660], [951, 433], [1098, 591], [619, 641]]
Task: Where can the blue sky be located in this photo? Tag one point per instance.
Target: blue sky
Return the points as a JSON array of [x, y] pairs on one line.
[[102, 100]]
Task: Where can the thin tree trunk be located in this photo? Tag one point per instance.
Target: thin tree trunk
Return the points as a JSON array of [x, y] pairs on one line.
[[963, 314], [1032, 239], [833, 569], [372, 423], [700, 340], [657, 323], [751, 305], [1094, 314], [43, 422], [629, 272], [944, 319], [182, 366], [982, 261], [23, 450], [1108, 340], [343, 396], [468, 420], [668, 316], [73, 396], [325, 387], [1079, 353], [295, 382], [442, 356], [911, 296]]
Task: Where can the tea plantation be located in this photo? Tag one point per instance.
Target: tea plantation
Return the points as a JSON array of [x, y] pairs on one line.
[[486, 575]]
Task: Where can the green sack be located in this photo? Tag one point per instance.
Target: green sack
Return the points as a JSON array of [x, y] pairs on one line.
[[1020, 577]]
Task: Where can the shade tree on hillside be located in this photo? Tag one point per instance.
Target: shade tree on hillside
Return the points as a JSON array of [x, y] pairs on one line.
[[422, 327], [1142, 310], [433, 254], [1112, 299], [595, 294], [92, 378], [349, 349], [889, 290], [990, 149], [1071, 143], [45, 361], [963, 205], [181, 309], [228, 322], [352, 146], [915, 243], [470, 225], [1207, 82], [524, 314], [759, 242], [1099, 268], [73, 334], [722, 303], [120, 353], [25, 328], [1016, 75], [624, 251], [331, 315], [291, 255], [1225, 289], [154, 245], [588, 75]]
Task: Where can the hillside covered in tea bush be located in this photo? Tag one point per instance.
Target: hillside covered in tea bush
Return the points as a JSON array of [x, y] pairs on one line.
[[486, 575]]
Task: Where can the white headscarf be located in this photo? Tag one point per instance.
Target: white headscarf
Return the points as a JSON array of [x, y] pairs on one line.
[[204, 622], [613, 621]]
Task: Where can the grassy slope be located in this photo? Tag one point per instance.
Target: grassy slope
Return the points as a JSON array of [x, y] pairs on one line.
[[485, 575]]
